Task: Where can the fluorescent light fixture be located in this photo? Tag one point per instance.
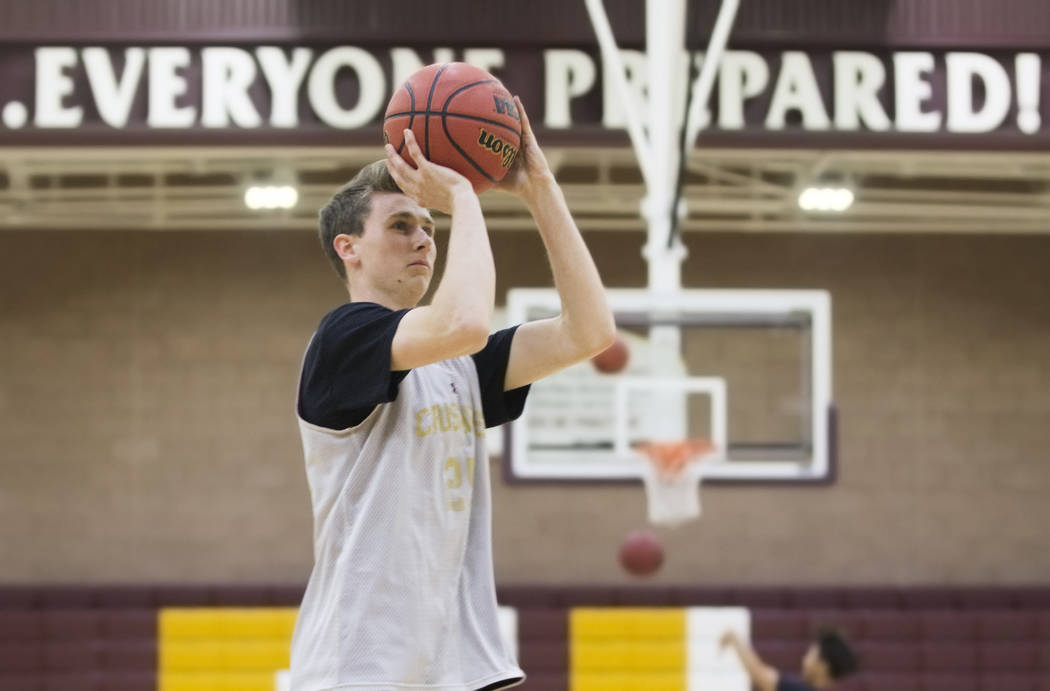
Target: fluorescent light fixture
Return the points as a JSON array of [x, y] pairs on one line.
[[825, 199], [271, 197]]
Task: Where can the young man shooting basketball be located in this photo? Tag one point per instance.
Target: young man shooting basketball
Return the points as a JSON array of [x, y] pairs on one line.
[[393, 404], [827, 660]]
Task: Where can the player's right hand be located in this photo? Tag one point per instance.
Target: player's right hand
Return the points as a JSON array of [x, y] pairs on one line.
[[433, 186], [530, 171]]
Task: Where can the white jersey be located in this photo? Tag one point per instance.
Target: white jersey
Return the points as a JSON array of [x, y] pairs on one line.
[[402, 595]]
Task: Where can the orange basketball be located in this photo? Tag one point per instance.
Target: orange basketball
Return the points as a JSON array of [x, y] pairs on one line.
[[641, 553], [462, 117]]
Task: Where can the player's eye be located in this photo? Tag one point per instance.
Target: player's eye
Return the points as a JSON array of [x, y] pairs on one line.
[[401, 225], [429, 230]]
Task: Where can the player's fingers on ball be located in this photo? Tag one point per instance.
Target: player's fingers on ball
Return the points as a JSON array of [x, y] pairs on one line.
[[525, 126], [391, 158], [395, 158], [403, 175], [391, 166], [527, 135], [413, 148], [396, 165]]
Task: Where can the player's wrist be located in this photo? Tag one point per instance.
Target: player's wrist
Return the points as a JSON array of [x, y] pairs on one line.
[[462, 196], [540, 188]]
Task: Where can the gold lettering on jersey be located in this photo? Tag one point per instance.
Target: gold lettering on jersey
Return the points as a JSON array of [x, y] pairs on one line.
[[454, 480], [421, 430], [449, 417]]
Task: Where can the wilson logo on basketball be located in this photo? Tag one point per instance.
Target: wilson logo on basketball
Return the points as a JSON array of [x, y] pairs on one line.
[[505, 151], [505, 107]]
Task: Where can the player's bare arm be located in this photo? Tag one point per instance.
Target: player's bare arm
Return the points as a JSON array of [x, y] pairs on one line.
[[585, 326], [457, 321], [763, 676]]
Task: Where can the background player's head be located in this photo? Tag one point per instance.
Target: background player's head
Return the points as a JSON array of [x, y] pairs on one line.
[[828, 659], [375, 236]]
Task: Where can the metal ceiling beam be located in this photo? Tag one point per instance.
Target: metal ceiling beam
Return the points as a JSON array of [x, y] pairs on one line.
[[728, 190]]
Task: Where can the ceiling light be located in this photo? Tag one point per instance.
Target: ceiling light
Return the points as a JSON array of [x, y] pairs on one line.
[[271, 197], [825, 199]]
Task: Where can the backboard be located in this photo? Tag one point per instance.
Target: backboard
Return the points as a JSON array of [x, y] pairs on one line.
[[748, 370]]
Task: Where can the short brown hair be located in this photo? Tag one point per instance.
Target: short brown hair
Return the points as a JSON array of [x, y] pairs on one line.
[[837, 653], [348, 208]]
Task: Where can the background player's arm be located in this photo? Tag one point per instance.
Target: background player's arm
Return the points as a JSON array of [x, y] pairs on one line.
[[763, 676], [585, 326], [457, 320]]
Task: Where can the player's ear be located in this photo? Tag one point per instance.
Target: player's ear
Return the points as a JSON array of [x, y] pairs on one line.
[[346, 247]]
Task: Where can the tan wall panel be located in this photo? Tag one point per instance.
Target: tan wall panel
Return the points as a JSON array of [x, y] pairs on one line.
[[146, 427]]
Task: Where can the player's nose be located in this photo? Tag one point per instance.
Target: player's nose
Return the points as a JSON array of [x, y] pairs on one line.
[[423, 239]]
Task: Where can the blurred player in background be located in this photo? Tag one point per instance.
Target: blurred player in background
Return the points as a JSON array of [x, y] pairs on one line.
[[827, 660], [394, 399]]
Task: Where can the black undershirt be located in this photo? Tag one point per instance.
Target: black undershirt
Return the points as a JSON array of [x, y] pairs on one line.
[[346, 371]]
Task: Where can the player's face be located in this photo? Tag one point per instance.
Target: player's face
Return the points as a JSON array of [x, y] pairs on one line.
[[397, 247]]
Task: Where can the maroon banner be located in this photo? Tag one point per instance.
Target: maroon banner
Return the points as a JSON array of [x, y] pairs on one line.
[[337, 94]]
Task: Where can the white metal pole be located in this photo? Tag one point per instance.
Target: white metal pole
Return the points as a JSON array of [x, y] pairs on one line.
[[712, 58], [665, 45], [611, 56]]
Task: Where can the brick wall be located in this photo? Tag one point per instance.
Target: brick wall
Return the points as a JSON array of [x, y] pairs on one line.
[[147, 381]]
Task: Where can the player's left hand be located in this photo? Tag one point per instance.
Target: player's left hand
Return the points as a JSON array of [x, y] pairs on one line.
[[727, 639], [433, 186], [530, 170]]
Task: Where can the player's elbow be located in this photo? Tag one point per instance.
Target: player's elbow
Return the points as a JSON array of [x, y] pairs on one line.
[[599, 338], [587, 337], [469, 334], [607, 334]]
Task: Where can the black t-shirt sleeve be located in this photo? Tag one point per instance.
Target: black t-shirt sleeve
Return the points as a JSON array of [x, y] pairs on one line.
[[346, 371], [792, 684], [498, 406]]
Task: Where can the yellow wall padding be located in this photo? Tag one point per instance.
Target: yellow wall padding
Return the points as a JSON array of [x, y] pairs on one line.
[[223, 648], [627, 649]]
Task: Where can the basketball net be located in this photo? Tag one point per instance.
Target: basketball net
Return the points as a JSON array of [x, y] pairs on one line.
[[672, 478]]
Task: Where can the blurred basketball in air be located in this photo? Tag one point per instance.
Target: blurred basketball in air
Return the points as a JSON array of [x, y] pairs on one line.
[[462, 117], [641, 553], [614, 358]]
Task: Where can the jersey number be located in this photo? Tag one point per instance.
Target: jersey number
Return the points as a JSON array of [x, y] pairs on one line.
[[454, 481]]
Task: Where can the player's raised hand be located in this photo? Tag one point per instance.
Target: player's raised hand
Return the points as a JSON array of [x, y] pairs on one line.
[[433, 186], [530, 169]]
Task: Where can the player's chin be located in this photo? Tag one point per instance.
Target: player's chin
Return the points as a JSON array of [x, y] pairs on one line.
[[418, 272], [420, 282]]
